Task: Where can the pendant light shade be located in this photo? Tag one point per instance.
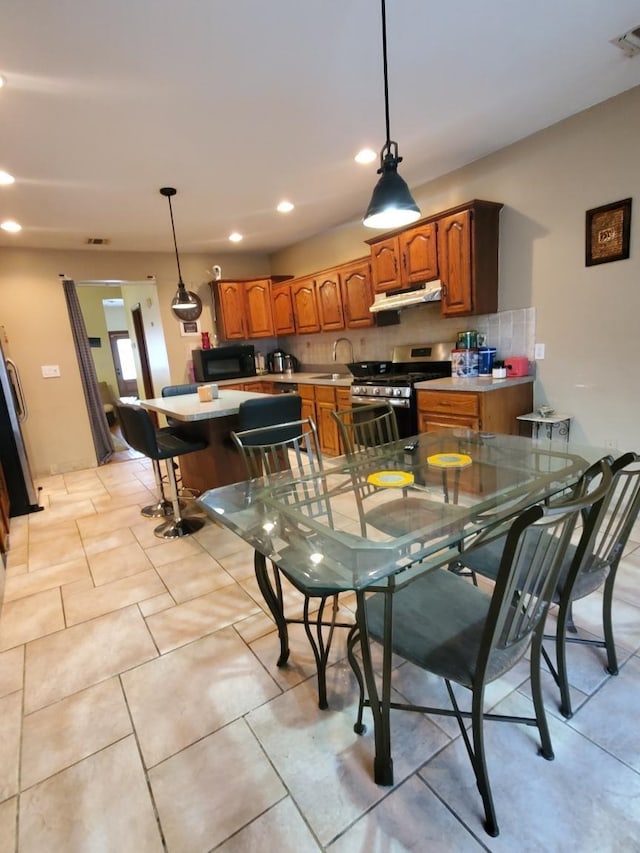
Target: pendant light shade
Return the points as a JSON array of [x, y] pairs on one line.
[[186, 304], [392, 204]]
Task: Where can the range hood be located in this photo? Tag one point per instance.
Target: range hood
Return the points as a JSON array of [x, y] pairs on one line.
[[394, 300]]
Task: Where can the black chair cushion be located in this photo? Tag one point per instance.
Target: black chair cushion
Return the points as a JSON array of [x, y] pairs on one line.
[[140, 433], [268, 412]]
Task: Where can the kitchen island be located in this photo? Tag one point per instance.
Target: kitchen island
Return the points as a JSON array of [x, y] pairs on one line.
[[221, 463]]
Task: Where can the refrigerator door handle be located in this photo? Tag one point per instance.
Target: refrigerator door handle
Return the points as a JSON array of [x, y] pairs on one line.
[[14, 376]]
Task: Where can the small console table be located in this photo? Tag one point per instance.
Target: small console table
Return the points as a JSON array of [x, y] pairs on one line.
[[554, 426]]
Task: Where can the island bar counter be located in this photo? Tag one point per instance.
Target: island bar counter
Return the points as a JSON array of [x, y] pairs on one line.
[[220, 463]]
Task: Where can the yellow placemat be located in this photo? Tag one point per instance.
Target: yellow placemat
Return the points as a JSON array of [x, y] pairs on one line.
[[390, 479], [449, 460]]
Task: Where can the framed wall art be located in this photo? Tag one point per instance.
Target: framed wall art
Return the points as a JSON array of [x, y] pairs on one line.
[[189, 327], [607, 232]]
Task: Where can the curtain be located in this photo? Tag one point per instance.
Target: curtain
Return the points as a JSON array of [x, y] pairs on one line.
[[97, 418]]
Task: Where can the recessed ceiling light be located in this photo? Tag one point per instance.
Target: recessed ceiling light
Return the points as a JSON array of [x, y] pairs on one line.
[[235, 237], [285, 207], [6, 178], [3, 81], [11, 226], [366, 156]]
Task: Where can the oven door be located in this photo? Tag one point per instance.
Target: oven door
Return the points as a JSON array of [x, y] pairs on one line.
[[405, 409]]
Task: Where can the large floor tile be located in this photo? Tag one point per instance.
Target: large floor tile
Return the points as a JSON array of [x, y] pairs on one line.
[[284, 828], [31, 617], [48, 577], [194, 690], [196, 618], [81, 603], [11, 721], [67, 731], [106, 522], [63, 549], [100, 804], [118, 562], [327, 768], [410, 818], [11, 670], [84, 655], [583, 800], [196, 811], [8, 812], [192, 576], [100, 544]]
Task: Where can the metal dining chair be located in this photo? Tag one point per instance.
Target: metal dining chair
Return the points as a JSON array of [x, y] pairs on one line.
[[444, 624], [589, 564], [268, 451]]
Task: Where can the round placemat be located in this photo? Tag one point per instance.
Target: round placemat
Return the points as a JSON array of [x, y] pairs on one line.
[[390, 479], [449, 460]]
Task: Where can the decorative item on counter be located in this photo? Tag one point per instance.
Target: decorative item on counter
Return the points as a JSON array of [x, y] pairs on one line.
[[467, 339], [546, 411], [499, 371], [486, 356], [517, 365], [206, 341], [260, 363], [464, 363], [207, 393]]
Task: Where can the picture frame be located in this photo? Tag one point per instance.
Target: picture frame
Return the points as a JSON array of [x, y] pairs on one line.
[[189, 328], [608, 229]]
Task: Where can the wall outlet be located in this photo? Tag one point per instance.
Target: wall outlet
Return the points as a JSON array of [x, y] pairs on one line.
[[50, 370], [538, 352]]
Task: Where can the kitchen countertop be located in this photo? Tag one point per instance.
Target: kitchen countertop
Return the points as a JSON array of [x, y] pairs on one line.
[[344, 381], [478, 383], [187, 407]]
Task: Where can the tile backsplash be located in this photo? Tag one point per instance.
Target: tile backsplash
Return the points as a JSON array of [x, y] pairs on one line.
[[511, 332]]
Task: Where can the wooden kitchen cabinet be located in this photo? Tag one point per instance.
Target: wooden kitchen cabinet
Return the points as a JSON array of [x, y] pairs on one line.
[[403, 259], [327, 427], [489, 411], [282, 305], [244, 308], [468, 259], [356, 292], [307, 394], [305, 306], [329, 301]]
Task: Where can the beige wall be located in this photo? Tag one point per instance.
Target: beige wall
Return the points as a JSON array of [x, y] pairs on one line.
[[586, 316], [33, 312], [95, 319]]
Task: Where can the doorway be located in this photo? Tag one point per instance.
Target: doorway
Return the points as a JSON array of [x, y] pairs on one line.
[[124, 364]]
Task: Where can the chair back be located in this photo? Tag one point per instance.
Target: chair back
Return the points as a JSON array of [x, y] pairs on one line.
[[607, 525], [366, 427], [178, 390], [138, 430], [269, 411], [284, 446], [531, 560]]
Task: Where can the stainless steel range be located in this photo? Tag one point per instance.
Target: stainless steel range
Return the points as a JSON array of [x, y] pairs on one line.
[[393, 381]]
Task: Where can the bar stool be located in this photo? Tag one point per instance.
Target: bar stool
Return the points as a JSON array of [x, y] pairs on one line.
[[163, 508], [157, 444]]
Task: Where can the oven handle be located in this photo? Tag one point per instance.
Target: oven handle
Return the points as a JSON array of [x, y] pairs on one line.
[[396, 402]]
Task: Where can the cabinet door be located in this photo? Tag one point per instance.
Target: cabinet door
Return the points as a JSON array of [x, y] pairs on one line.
[[258, 304], [357, 295], [232, 310], [327, 427], [427, 422], [385, 269], [419, 254], [329, 302], [454, 255], [283, 323], [305, 306]]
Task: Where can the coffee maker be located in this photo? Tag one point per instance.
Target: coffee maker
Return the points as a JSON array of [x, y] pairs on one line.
[[275, 361]]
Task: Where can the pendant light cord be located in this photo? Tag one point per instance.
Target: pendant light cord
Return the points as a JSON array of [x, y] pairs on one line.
[[385, 74], [175, 242]]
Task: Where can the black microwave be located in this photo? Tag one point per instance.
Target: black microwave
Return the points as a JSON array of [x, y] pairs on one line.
[[232, 362]]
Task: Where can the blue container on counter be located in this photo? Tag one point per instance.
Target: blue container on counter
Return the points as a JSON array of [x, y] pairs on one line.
[[486, 356]]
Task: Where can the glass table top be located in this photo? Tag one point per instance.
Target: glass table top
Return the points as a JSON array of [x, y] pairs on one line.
[[387, 509]]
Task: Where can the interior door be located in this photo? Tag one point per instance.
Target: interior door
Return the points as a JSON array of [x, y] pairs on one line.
[[124, 363]]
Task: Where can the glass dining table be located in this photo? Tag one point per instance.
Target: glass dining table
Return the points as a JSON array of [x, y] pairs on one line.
[[374, 521]]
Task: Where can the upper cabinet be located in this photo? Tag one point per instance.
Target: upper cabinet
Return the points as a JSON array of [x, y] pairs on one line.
[[282, 305], [244, 308], [458, 246], [357, 293], [404, 259], [329, 301], [305, 306]]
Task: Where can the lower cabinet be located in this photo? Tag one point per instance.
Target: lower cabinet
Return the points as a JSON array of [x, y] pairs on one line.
[[490, 411], [327, 427], [307, 393]]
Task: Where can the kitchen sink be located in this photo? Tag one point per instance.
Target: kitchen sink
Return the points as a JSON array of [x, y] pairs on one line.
[[332, 376]]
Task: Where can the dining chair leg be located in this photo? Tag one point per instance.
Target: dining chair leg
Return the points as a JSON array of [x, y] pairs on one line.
[[319, 646], [273, 602], [352, 640], [607, 622], [546, 747], [480, 762]]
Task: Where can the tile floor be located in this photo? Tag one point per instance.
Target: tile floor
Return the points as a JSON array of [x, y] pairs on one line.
[[142, 710]]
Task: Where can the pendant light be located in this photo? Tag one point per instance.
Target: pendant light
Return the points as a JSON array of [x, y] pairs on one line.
[[391, 205], [186, 304]]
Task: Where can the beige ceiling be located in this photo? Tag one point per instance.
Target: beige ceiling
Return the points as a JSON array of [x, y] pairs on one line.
[[239, 103]]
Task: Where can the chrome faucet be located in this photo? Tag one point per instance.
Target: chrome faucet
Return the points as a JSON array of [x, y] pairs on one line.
[[335, 347]]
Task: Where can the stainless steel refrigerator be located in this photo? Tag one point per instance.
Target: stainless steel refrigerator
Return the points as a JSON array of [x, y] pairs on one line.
[[23, 496]]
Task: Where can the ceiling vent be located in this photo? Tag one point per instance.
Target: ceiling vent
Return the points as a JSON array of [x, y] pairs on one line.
[[629, 42], [98, 241]]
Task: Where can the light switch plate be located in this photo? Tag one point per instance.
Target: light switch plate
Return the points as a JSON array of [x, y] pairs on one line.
[[538, 352], [50, 370]]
